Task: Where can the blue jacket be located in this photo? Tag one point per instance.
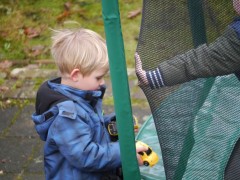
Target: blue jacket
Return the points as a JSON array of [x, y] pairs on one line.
[[77, 144]]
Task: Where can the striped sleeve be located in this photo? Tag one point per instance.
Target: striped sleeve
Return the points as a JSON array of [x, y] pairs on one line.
[[155, 79]]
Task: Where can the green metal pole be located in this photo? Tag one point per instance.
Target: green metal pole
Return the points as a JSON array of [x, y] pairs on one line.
[[122, 102], [197, 22]]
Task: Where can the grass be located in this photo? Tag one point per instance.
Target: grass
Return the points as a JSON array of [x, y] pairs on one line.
[[25, 31], [19, 19]]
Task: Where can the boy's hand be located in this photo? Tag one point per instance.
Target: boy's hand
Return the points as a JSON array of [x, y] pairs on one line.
[[236, 5], [141, 74], [140, 149]]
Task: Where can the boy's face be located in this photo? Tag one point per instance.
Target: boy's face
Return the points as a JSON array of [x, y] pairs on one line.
[[236, 5], [91, 82]]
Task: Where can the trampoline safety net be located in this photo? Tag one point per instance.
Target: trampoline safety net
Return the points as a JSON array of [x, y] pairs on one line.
[[196, 114]]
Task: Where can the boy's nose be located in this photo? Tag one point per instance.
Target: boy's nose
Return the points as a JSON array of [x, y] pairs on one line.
[[102, 82]]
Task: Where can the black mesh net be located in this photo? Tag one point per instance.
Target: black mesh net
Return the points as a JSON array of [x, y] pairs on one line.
[[197, 121]]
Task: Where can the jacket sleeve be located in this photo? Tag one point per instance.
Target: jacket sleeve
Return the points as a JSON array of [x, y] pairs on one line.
[[75, 140], [109, 117], [221, 57]]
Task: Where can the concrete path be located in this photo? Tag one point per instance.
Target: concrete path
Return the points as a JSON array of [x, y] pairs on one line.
[[21, 154]]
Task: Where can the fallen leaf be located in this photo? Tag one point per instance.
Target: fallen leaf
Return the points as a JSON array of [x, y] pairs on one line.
[[63, 15], [31, 32], [133, 14], [66, 11], [34, 51], [67, 6], [4, 88], [4, 34], [5, 64]]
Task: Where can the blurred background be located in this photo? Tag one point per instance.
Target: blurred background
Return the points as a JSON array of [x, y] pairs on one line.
[[25, 36]]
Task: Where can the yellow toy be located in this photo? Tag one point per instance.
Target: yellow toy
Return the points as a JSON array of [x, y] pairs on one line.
[[149, 157], [135, 122]]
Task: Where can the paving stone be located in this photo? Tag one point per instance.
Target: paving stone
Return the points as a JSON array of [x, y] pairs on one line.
[[6, 115], [36, 166], [24, 125], [14, 153], [11, 176], [27, 92], [34, 177]]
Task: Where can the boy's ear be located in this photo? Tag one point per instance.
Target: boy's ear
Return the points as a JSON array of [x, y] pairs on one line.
[[75, 74]]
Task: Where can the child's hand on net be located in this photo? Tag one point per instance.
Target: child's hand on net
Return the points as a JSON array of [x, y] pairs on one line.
[[141, 74], [140, 149]]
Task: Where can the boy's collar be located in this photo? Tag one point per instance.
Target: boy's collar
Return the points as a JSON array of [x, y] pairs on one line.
[[90, 96], [93, 99]]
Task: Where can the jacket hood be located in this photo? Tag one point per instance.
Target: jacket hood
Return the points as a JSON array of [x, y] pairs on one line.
[[52, 93], [47, 97]]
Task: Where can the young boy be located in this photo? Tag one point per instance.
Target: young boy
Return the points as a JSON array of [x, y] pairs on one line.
[[68, 113], [218, 58]]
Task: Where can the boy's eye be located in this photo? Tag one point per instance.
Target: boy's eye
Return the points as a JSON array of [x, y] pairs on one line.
[[99, 78]]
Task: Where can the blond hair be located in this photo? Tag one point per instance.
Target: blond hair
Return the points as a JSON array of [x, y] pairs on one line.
[[83, 49]]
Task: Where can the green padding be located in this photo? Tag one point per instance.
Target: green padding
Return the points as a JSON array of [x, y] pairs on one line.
[[216, 128], [120, 87]]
